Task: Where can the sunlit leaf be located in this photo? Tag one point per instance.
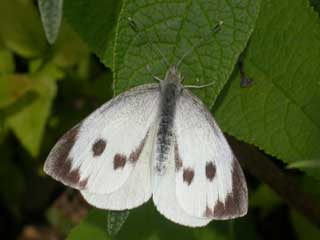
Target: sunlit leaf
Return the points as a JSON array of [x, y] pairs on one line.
[[29, 122]]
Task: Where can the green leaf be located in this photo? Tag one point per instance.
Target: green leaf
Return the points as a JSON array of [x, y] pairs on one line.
[[303, 228], [7, 65], [279, 113], [157, 227], [115, 221], [69, 50], [305, 164], [265, 199], [174, 27], [208, 233], [20, 28], [29, 122], [316, 5], [13, 87], [51, 15], [95, 22], [93, 227]]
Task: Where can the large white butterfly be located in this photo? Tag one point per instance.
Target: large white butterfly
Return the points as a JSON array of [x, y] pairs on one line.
[[155, 140]]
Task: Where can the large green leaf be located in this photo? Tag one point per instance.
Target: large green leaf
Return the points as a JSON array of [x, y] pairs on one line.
[[20, 28], [279, 113], [95, 21], [174, 27]]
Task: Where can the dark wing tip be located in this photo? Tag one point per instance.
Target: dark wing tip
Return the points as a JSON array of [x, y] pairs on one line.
[[236, 203], [59, 165]]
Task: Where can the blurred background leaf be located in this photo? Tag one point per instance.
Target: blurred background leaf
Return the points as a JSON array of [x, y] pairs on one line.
[[28, 124], [20, 29], [51, 15], [95, 21]]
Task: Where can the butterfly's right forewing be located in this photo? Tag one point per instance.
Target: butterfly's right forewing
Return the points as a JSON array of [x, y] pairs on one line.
[[100, 153], [209, 180]]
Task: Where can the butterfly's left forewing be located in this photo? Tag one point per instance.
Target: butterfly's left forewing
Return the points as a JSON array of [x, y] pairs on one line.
[[209, 180], [104, 151]]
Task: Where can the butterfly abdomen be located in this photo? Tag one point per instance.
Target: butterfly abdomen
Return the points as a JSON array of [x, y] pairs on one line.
[[169, 94]]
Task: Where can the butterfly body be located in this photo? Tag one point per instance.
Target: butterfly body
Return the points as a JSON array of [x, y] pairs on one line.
[[154, 133], [170, 90]]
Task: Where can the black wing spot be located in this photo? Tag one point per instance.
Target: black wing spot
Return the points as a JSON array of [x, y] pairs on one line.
[[210, 171], [188, 175], [98, 147], [119, 161]]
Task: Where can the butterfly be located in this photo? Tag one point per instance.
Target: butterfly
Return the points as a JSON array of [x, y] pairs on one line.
[[155, 140]]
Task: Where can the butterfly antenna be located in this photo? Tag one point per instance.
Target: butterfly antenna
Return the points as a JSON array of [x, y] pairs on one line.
[[134, 26], [216, 29]]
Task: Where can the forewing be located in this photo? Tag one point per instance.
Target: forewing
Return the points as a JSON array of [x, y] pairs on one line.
[[99, 154], [165, 199], [209, 179]]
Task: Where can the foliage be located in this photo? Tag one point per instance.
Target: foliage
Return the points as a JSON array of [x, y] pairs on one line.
[[51, 15], [279, 113], [46, 89]]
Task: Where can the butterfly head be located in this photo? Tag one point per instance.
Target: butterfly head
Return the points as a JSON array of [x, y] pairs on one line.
[[173, 75]]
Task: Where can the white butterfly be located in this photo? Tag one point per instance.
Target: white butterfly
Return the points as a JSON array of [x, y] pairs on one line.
[[155, 140]]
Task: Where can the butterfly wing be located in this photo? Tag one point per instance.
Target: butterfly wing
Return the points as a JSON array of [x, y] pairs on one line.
[[209, 180], [165, 198], [99, 154], [136, 190]]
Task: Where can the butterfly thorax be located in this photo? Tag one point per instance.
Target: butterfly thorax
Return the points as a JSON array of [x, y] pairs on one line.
[[170, 89]]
